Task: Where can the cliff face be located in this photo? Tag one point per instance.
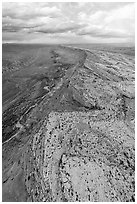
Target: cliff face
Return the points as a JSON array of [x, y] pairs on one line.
[[77, 143]]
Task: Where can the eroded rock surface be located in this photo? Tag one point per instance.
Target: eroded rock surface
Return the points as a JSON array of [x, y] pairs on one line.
[[77, 143]]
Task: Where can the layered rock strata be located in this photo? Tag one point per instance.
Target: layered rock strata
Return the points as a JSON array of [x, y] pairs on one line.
[[83, 148]]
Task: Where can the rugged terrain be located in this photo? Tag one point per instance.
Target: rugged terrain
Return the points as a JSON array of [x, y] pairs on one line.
[[68, 124]]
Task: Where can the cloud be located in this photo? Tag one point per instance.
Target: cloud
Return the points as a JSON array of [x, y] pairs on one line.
[[70, 21], [29, 10], [119, 23], [17, 25], [103, 33], [61, 28]]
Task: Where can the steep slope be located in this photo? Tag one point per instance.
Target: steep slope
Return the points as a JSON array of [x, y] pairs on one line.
[[77, 142]]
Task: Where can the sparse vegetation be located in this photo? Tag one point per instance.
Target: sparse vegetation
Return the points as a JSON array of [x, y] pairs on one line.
[[68, 123]]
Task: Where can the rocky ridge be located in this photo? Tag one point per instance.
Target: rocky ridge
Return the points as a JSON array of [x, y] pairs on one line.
[[81, 145]]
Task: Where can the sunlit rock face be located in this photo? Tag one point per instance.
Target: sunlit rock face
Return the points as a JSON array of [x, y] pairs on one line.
[[88, 160], [82, 146]]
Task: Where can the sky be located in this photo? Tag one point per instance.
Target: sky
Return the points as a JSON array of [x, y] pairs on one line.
[[68, 22]]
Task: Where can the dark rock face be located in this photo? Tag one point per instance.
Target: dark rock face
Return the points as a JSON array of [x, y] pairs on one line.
[[74, 131]]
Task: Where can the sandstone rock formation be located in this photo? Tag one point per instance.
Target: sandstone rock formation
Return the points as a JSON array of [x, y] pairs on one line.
[[81, 144]]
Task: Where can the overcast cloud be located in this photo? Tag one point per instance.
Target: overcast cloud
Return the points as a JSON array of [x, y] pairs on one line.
[[76, 22]]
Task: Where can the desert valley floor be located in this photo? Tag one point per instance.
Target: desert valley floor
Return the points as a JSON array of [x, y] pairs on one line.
[[68, 123]]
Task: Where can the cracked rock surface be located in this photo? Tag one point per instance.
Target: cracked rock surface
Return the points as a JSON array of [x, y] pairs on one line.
[[77, 143]]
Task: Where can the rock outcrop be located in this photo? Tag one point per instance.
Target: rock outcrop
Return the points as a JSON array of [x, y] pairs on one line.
[[81, 146]]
